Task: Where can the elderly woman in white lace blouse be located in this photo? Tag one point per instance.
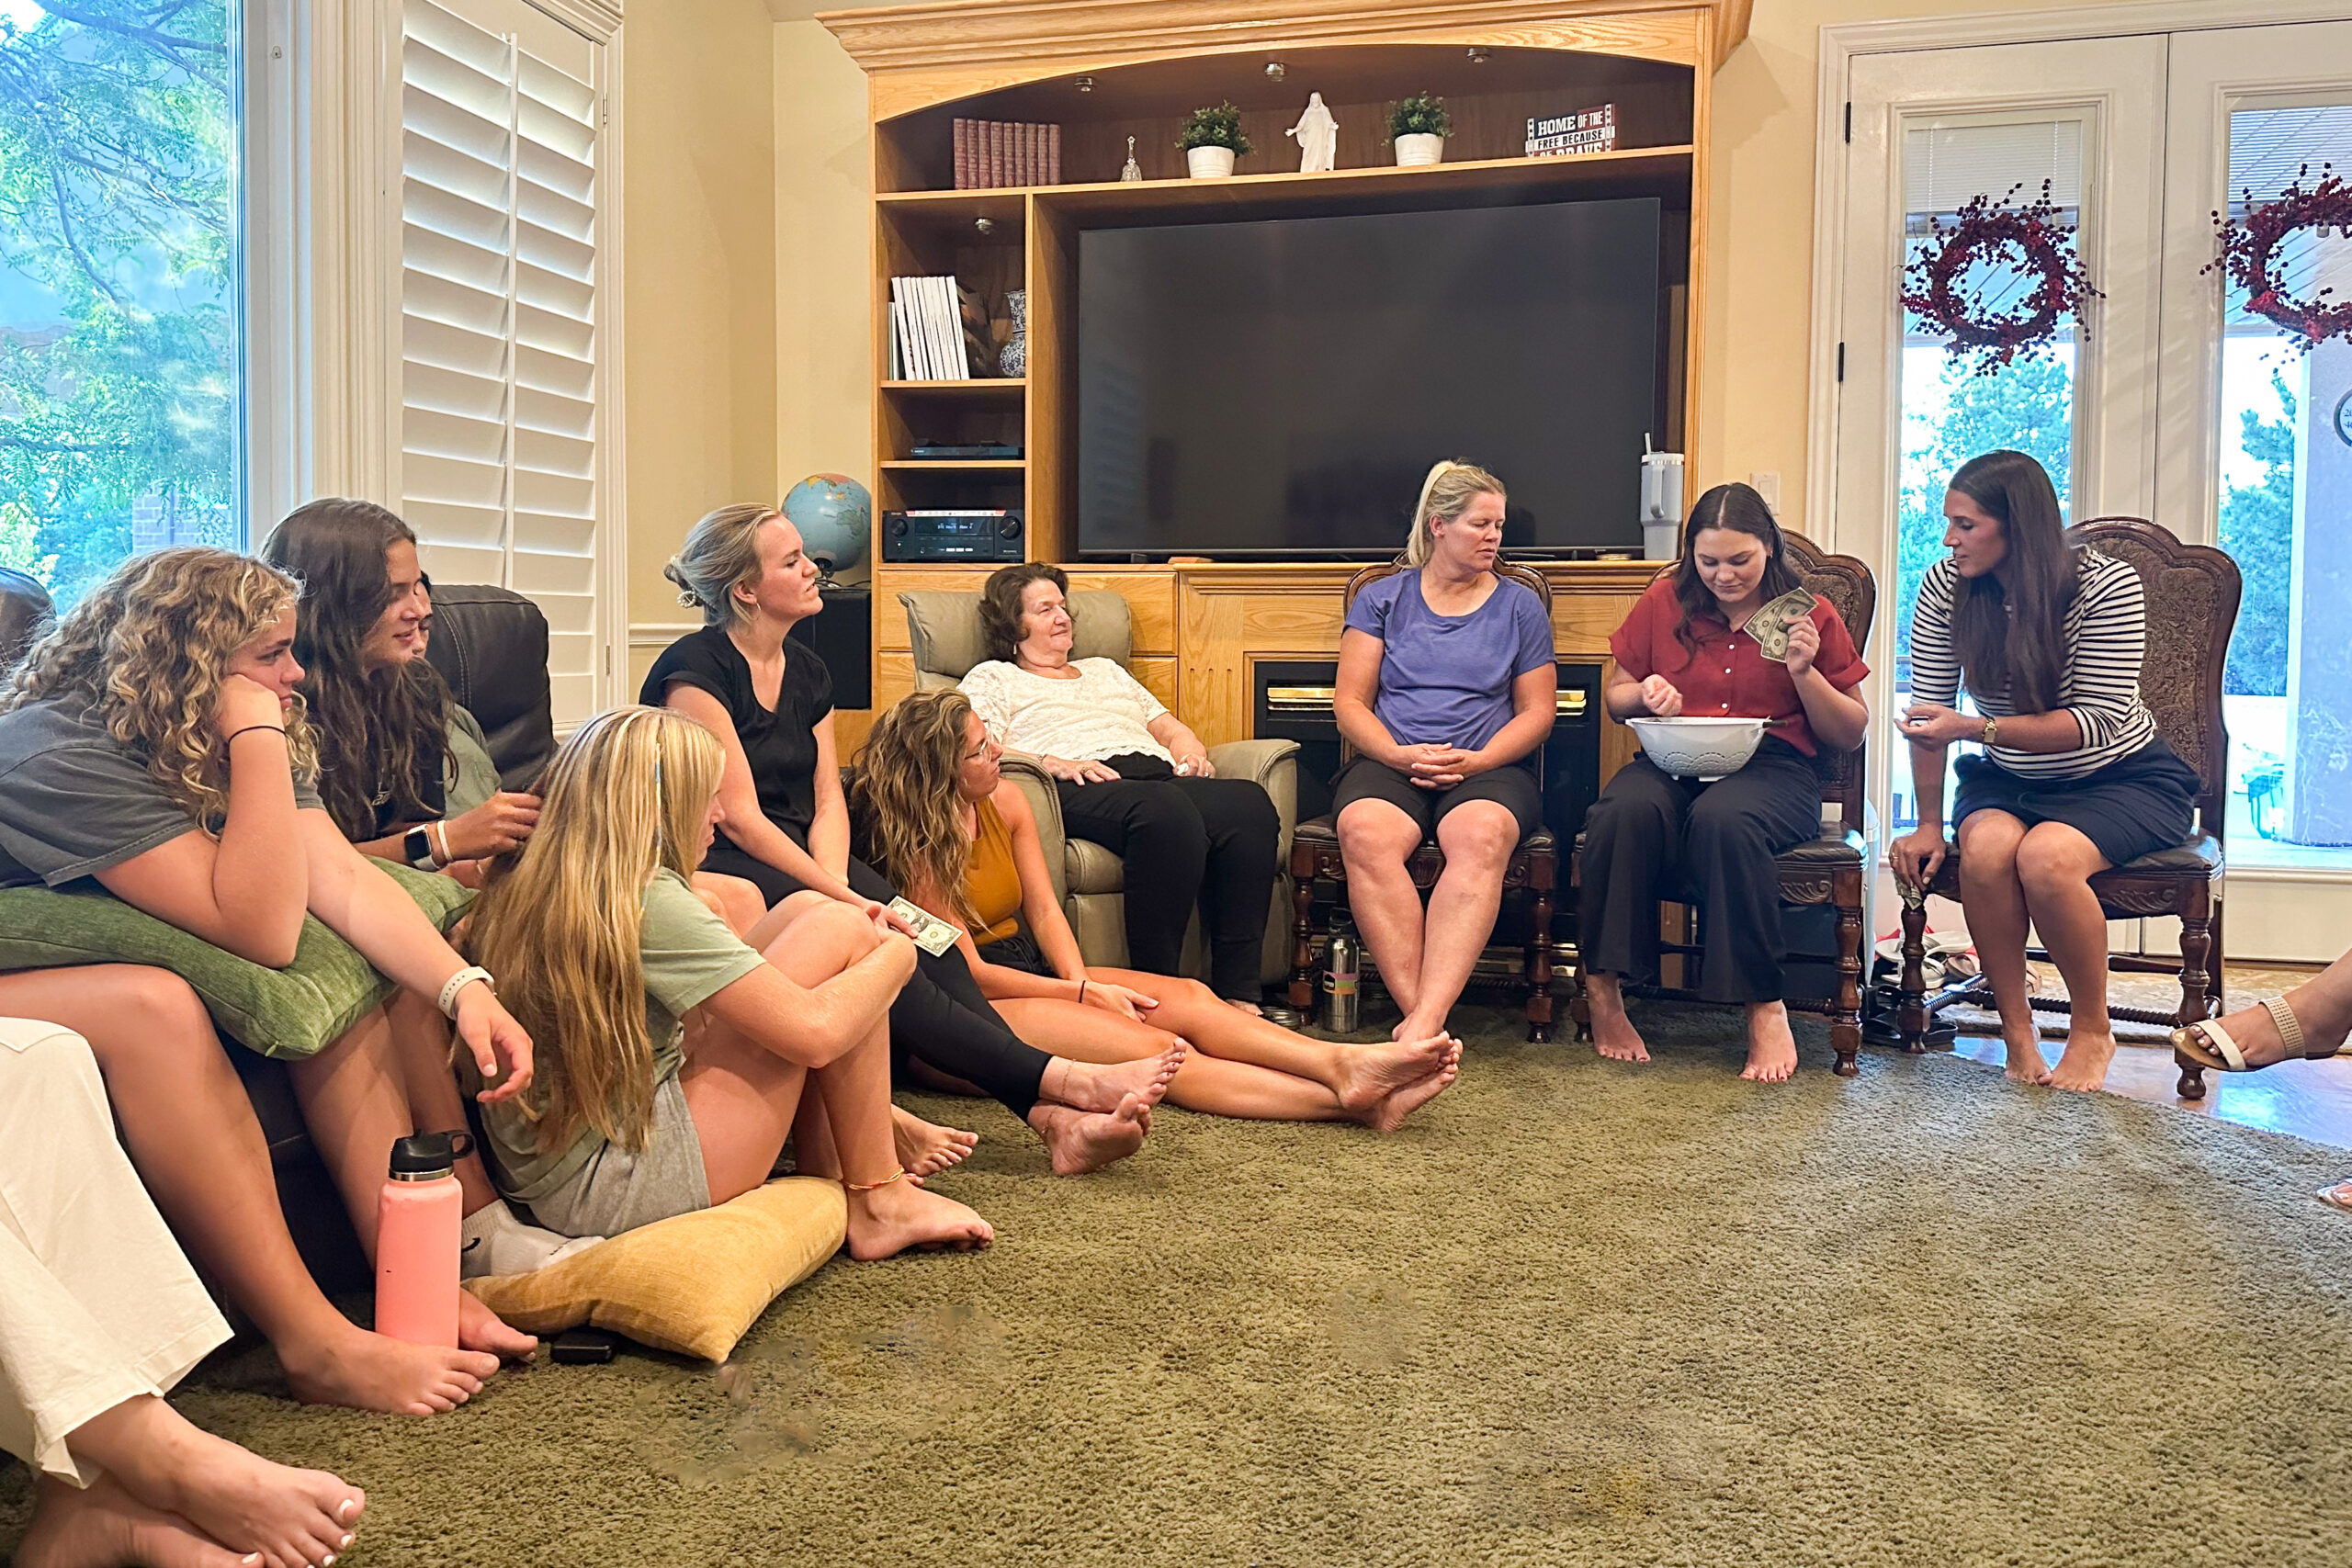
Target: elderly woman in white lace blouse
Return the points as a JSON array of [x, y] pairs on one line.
[[1134, 779]]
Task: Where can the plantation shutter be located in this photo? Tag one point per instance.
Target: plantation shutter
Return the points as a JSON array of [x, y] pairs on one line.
[[500, 116]]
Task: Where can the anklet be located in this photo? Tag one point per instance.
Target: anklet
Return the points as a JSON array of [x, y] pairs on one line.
[[870, 1186]]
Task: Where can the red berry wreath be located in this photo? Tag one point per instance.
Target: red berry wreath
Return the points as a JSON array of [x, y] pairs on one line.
[[1987, 232], [2250, 256]]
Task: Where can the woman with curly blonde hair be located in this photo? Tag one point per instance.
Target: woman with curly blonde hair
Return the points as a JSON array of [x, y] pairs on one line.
[[154, 741], [675, 1056], [961, 839]]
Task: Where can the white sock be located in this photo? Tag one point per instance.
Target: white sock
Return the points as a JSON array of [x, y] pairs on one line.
[[496, 1243]]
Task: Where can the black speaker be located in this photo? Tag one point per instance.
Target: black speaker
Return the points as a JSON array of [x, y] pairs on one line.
[[842, 634]]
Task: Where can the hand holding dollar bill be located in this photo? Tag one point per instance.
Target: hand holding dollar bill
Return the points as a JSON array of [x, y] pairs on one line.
[[931, 934], [1769, 625]]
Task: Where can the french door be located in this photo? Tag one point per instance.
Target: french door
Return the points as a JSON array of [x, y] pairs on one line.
[[2167, 399]]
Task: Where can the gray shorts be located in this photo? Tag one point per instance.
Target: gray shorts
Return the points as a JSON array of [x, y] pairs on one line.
[[617, 1190]]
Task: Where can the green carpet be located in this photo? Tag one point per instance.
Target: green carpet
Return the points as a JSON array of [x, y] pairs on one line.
[[1575, 1314]]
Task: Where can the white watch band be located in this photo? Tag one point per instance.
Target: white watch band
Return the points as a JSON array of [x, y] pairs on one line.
[[458, 982]]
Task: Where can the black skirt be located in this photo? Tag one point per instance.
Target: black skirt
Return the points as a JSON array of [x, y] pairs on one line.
[[2134, 805]]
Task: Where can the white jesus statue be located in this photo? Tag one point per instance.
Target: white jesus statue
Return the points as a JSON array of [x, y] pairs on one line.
[[1319, 137]]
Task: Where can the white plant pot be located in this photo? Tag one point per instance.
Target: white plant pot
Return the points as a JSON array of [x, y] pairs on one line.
[[1209, 162], [1418, 149]]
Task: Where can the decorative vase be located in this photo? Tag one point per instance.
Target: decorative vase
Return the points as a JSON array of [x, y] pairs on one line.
[[1014, 361], [1418, 149], [1209, 162]]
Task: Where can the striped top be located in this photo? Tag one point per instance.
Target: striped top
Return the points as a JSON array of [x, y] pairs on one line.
[[2106, 635]]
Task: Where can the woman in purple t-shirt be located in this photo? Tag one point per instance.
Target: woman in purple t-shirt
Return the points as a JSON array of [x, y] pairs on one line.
[[1446, 688]]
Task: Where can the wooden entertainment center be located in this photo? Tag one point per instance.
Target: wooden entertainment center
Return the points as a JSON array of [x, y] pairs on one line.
[[1107, 70]]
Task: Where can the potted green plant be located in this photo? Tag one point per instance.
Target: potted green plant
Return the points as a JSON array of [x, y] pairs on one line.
[[1212, 140], [1417, 127]]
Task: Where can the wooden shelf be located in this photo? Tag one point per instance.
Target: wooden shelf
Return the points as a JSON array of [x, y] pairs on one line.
[[1002, 386], [1627, 169], [954, 464]]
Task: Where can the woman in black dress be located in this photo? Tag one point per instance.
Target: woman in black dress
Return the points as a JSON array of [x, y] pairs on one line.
[[784, 826]]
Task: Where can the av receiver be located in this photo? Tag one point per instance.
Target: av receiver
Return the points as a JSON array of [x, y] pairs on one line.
[[951, 535]]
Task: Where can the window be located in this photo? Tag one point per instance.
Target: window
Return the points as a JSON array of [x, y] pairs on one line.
[[1950, 413], [501, 349], [120, 360]]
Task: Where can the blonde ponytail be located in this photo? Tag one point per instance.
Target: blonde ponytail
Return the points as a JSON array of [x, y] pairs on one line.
[[1445, 495]]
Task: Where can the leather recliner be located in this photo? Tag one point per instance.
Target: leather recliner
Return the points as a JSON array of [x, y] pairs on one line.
[[943, 629]]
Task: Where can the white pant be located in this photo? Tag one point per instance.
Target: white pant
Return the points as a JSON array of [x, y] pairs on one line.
[[98, 1303]]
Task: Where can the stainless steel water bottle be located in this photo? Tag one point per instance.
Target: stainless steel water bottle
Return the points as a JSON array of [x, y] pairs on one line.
[[1343, 979]]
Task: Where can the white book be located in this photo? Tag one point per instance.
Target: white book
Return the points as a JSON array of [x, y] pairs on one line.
[[897, 348], [943, 345], [902, 319], [958, 358]]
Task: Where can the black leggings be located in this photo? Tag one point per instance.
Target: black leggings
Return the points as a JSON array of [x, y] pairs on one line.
[[1652, 835], [940, 1015], [1209, 841]]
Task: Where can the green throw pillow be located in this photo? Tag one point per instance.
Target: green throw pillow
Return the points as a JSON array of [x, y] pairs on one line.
[[290, 1013]]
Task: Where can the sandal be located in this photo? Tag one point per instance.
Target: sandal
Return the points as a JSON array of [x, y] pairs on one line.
[[2210, 1045]]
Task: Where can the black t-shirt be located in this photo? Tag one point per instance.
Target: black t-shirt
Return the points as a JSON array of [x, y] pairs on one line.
[[781, 745]]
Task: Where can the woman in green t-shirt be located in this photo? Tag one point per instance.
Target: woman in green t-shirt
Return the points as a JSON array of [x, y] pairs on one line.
[[673, 1054]]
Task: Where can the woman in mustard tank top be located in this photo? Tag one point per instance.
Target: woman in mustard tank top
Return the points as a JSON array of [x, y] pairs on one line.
[[942, 823]]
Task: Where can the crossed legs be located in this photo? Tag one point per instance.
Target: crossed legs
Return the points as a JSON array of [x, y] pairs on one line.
[[1241, 1064], [2012, 876], [1426, 955]]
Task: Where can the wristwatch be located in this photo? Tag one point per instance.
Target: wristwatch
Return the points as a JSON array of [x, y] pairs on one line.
[[1992, 732], [417, 844]]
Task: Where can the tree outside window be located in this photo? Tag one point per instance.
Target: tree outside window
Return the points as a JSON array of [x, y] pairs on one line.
[[119, 333]]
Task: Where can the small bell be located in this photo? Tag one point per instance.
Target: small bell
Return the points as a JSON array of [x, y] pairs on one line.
[[1132, 171]]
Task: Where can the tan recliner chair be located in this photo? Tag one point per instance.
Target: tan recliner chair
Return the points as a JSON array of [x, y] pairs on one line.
[[944, 631]]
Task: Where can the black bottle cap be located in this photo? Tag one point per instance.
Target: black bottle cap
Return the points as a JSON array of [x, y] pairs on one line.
[[428, 1157]]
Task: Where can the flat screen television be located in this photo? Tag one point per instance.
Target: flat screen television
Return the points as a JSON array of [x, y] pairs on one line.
[[1280, 388]]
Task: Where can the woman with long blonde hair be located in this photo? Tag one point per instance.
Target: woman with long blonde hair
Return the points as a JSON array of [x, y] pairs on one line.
[[674, 1054], [1445, 689], [154, 740], [961, 837]]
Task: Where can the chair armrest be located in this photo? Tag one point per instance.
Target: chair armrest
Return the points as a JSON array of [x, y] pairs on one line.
[[1273, 766], [1046, 803]]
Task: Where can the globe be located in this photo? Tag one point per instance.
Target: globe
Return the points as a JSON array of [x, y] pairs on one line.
[[835, 516]]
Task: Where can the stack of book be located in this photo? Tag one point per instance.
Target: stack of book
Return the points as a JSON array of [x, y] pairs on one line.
[[927, 332], [1564, 136], [990, 152]]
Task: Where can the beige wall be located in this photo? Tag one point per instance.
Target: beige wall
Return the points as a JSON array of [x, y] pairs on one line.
[[1760, 259], [698, 272]]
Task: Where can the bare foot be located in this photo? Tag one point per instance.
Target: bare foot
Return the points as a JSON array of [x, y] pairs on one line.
[[104, 1526], [478, 1328], [1080, 1141], [373, 1371], [1389, 1113], [2256, 1033], [889, 1220], [291, 1517], [1771, 1048], [2083, 1065], [2023, 1049], [1094, 1085], [1242, 1004], [926, 1149], [1369, 1074], [1613, 1034]]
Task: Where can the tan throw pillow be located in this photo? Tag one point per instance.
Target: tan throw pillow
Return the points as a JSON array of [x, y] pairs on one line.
[[693, 1284]]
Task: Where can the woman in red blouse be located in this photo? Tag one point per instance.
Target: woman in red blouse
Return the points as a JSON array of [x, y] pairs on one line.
[[1686, 650]]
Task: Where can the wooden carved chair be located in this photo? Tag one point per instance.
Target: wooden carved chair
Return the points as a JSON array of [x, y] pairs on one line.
[[2192, 593], [1829, 870], [1315, 853]]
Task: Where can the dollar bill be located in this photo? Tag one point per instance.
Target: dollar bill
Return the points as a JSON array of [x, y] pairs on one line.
[[1769, 625], [932, 934]]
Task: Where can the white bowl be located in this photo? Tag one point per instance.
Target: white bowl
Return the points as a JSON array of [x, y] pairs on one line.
[[1704, 749]]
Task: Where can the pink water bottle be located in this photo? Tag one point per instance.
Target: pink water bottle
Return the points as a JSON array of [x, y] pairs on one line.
[[420, 1220]]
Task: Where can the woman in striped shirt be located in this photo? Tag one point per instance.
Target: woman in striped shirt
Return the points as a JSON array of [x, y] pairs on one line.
[[2074, 778]]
